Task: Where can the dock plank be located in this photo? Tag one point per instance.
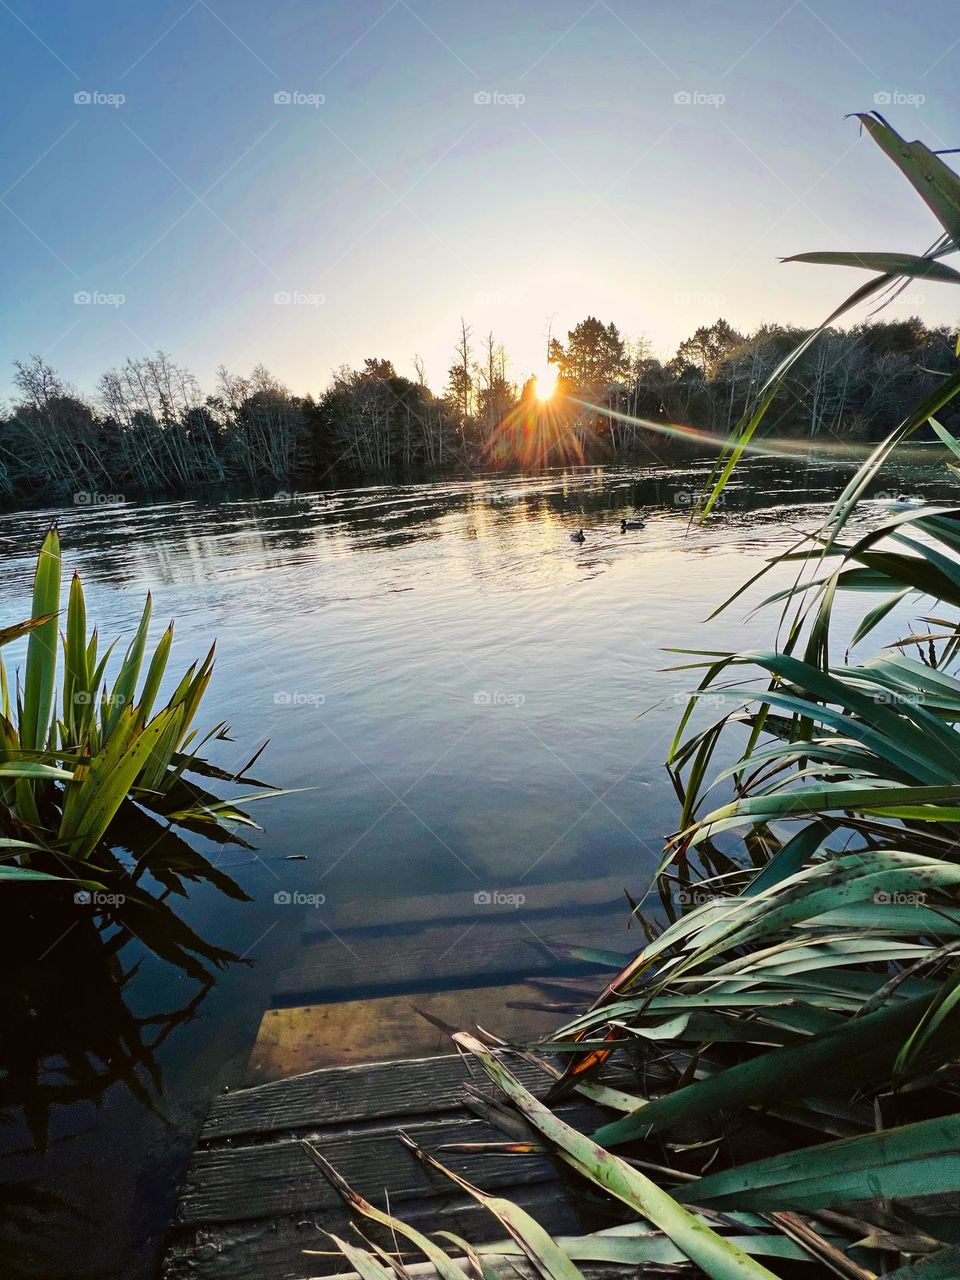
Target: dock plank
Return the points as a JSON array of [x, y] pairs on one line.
[[273, 1249], [484, 952], [339, 1096], [236, 1183], [566, 897], [304, 1038]]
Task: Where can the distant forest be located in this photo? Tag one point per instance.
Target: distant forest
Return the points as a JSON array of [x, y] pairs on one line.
[[150, 429]]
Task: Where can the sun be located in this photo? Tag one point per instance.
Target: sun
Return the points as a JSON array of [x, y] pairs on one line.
[[545, 382]]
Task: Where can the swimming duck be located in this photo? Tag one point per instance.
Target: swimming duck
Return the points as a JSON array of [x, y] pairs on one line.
[[902, 502], [579, 536], [631, 524]]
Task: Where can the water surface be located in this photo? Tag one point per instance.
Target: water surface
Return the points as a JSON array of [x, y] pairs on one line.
[[454, 685]]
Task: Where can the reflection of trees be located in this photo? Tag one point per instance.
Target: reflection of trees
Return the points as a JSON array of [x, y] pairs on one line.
[[68, 1033], [176, 540], [36, 1227]]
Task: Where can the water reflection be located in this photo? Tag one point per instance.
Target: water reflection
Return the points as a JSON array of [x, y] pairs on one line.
[[454, 685], [71, 1034], [177, 541], [69, 955]]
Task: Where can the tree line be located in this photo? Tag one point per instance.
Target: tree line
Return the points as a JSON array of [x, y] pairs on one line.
[[150, 428]]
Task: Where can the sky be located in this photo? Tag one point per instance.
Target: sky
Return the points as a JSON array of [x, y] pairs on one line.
[[305, 184]]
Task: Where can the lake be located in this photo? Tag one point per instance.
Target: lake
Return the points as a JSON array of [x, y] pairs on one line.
[[452, 691]]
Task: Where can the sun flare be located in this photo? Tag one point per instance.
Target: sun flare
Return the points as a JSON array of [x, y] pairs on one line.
[[546, 381]]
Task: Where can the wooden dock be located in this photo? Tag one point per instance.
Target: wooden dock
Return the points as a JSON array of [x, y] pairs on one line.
[[253, 1201], [367, 971]]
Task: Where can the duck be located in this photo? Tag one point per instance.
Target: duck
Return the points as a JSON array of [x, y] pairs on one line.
[[626, 524], [579, 536], [901, 502]]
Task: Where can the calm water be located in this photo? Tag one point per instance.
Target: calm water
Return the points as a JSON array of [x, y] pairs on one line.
[[454, 684]]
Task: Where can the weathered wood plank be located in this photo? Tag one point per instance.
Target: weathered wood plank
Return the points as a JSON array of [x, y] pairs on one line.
[[510, 1266], [502, 949], [304, 1038], [273, 1249], [428, 908], [232, 1184], [338, 1096]]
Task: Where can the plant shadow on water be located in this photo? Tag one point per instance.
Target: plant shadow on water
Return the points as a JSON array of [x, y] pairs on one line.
[[70, 1033], [92, 783]]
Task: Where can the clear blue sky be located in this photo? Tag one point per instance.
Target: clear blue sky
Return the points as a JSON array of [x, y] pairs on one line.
[[404, 202]]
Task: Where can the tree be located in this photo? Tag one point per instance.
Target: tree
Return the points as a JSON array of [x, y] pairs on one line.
[[460, 385], [496, 396], [709, 346], [593, 358]]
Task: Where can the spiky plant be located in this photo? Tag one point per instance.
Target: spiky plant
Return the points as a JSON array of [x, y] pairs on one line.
[[796, 1033], [74, 751]]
